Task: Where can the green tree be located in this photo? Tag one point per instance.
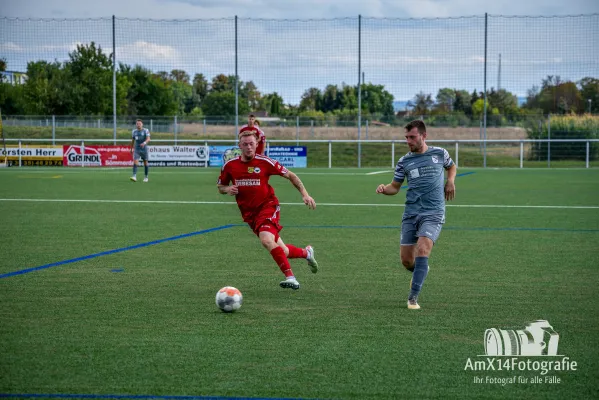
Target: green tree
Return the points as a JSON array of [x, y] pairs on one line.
[[178, 75], [555, 96], [249, 93], [348, 98], [462, 102], [330, 100], [475, 96], [183, 96], [478, 109], [200, 87], [46, 90], [445, 100], [276, 103], [3, 65], [89, 73], [148, 94], [11, 99], [589, 90], [505, 102], [311, 100], [421, 104], [377, 101], [221, 83]]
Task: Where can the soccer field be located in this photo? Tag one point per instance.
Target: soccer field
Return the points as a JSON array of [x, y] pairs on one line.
[[107, 288]]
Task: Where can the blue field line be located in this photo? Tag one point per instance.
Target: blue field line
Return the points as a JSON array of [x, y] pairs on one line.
[[455, 228], [105, 253], [132, 396], [458, 175]]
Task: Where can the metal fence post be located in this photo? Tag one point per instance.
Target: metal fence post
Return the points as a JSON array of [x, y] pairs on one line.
[[20, 149], [82, 153], [53, 129], [297, 130], [366, 129], [330, 153], [521, 154], [457, 153], [208, 154], [549, 141], [175, 129], [204, 126], [588, 154], [392, 153], [312, 127]]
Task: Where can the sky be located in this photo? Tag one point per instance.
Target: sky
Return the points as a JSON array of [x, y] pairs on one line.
[[289, 46], [290, 9]]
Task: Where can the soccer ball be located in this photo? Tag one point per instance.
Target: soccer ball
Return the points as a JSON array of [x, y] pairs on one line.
[[229, 299]]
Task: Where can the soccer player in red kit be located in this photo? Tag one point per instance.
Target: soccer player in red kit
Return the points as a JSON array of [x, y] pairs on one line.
[[254, 126], [261, 148], [246, 177]]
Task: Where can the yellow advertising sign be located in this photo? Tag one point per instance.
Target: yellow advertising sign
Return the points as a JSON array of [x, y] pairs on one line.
[[33, 155]]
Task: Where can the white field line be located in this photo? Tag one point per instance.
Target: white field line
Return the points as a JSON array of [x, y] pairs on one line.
[[293, 204]]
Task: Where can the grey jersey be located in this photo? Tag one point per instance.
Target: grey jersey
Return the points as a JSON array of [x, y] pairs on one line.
[[425, 174], [140, 136]]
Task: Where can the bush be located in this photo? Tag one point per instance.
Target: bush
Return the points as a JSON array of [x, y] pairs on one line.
[[565, 127]]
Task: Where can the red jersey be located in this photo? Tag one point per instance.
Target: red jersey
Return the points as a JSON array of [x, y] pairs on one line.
[[251, 178], [261, 137]]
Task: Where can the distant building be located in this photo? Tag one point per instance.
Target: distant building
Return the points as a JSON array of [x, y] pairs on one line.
[[13, 77]]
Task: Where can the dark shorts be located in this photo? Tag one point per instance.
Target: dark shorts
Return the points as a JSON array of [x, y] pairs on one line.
[[415, 226], [267, 220]]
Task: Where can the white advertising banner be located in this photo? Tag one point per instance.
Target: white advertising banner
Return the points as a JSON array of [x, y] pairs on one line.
[[178, 156]]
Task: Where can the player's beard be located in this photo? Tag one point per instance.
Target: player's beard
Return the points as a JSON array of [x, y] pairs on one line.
[[417, 147]]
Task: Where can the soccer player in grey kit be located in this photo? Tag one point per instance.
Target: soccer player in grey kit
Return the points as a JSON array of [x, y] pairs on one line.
[[424, 213], [140, 137]]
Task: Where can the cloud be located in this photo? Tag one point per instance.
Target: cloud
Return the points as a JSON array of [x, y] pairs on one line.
[[140, 51], [291, 9], [281, 49], [10, 46]]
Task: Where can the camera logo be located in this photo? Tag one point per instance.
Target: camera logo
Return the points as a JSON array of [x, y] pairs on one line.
[[536, 339]]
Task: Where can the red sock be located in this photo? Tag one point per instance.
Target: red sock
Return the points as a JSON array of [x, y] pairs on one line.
[[296, 252], [278, 254]]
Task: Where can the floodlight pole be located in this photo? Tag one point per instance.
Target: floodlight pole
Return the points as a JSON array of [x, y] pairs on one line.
[[114, 79], [485, 100], [236, 85], [359, 91]]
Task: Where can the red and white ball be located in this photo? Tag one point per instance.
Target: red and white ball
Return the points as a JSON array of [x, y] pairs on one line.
[[229, 299]]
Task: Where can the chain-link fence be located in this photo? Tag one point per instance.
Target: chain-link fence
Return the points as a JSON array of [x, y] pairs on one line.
[[486, 77]]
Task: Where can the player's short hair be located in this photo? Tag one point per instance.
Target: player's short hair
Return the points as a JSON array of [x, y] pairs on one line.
[[417, 123], [251, 115], [257, 121], [249, 132], [138, 120]]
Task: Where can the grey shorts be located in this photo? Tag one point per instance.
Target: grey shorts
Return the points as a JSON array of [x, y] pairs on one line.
[[140, 154], [415, 226]]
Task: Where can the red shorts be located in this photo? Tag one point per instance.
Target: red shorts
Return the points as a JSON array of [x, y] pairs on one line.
[[267, 220]]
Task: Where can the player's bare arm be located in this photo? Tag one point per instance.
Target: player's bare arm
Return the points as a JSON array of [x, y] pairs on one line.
[[231, 190], [450, 184], [132, 145], [389, 189], [145, 142], [295, 180]]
